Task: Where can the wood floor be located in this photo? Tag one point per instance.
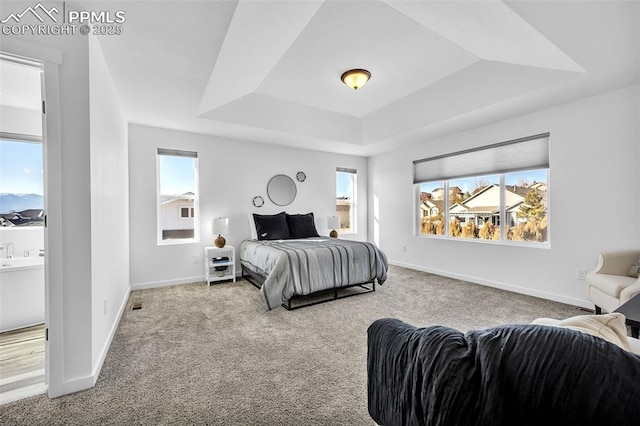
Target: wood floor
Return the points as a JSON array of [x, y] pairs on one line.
[[22, 363]]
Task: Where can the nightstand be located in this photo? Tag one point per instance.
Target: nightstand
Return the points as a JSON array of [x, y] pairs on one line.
[[219, 264]]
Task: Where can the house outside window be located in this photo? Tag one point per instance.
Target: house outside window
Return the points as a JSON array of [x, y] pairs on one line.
[[511, 206], [177, 196], [346, 203]]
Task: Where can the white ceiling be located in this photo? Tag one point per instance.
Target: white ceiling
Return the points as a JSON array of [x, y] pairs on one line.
[[269, 71]]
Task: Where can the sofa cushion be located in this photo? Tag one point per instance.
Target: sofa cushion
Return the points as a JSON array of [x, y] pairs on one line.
[[634, 271], [611, 284], [509, 375]]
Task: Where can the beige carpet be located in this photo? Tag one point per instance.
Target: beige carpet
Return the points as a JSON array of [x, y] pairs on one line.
[[214, 355]]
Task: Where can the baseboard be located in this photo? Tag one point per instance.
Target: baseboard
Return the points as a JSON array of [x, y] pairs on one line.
[[76, 385], [112, 332], [156, 284], [495, 284]]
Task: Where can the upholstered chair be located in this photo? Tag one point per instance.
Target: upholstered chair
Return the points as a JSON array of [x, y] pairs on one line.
[[609, 284]]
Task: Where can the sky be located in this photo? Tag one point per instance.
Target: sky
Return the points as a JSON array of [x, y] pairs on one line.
[[21, 168], [343, 184], [177, 175], [469, 184]]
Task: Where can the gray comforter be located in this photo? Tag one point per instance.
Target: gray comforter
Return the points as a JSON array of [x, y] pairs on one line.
[[304, 266]]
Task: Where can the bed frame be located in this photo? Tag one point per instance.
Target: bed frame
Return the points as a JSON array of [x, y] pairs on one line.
[[334, 293]]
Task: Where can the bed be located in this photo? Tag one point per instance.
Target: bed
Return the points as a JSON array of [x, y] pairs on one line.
[[289, 262]]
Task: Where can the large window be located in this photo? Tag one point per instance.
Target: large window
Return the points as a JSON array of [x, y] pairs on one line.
[[508, 202], [346, 206], [177, 196], [21, 184]]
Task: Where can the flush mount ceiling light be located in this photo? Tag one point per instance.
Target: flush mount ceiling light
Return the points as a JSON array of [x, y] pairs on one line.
[[355, 78]]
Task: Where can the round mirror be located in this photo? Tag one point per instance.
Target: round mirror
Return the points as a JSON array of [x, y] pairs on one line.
[[281, 190]]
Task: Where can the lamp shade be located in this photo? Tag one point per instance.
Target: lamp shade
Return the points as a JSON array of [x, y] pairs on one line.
[[333, 222], [221, 225]]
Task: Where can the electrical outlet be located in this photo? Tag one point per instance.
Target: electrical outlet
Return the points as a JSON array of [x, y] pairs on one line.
[[581, 274], [196, 259], [403, 249], [105, 306]]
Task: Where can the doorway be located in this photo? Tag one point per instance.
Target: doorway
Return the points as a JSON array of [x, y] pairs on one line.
[[23, 325]]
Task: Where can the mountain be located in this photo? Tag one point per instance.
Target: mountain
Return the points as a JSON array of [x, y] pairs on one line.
[[18, 202]]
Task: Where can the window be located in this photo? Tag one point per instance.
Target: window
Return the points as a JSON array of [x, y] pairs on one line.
[[526, 205], [21, 183], [186, 212], [510, 204], [346, 206], [177, 196]]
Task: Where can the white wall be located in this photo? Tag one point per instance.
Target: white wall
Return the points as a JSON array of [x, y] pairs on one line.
[[74, 179], [594, 199], [109, 206], [68, 205], [231, 173]]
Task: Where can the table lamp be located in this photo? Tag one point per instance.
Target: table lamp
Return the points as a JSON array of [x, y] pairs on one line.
[[220, 226], [333, 222]]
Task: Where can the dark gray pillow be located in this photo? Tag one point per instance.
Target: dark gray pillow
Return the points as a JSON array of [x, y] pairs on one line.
[[271, 226], [302, 226]]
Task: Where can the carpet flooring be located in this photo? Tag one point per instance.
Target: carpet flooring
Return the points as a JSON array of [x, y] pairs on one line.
[[196, 354]]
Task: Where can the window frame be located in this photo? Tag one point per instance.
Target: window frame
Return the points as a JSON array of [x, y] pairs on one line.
[[353, 215], [196, 199], [537, 164], [503, 217]]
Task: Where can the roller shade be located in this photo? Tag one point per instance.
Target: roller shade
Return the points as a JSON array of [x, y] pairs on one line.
[[177, 153], [521, 154], [343, 170]]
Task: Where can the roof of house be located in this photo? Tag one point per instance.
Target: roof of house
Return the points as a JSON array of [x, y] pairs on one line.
[[32, 213]]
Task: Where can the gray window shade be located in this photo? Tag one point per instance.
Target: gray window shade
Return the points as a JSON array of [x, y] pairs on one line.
[[521, 154], [343, 170], [177, 153]]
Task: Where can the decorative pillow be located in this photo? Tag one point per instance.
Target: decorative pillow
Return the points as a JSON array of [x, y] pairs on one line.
[[302, 225], [610, 327], [271, 227], [252, 227], [635, 269]]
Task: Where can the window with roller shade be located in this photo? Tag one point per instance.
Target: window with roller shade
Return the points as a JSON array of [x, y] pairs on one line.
[[177, 196], [493, 193]]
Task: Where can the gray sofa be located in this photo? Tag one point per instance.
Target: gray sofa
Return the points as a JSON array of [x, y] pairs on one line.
[[511, 375]]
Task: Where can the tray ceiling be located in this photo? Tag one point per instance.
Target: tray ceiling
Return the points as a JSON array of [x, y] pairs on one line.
[[269, 71]]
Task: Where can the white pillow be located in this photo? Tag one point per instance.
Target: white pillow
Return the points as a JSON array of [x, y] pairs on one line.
[[634, 271], [252, 227], [610, 327]]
